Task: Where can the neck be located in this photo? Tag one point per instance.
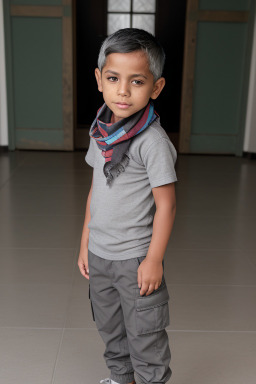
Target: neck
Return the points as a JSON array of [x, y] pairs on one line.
[[114, 119]]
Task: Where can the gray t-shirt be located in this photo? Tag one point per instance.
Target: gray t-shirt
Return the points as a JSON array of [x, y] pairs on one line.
[[122, 214]]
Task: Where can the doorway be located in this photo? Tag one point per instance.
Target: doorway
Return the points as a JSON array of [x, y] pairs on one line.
[[91, 28]]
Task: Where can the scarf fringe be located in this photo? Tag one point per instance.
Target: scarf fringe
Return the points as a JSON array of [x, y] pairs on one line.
[[113, 171]]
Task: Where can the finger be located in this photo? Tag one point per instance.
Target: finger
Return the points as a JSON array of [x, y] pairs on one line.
[[83, 270], [86, 268], [157, 286], [150, 289], [144, 288], [86, 272], [139, 279]]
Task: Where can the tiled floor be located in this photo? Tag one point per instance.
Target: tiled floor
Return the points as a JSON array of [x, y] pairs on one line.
[[47, 335]]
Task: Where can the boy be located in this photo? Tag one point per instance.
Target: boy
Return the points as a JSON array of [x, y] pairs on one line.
[[130, 211]]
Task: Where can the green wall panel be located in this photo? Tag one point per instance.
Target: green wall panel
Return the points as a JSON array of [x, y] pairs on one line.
[[36, 2], [213, 144], [37, 72], [231, 5], [38, 138], [219, 78]]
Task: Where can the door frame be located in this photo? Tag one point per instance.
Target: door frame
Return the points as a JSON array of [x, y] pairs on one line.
[[193, 16], [63, 11]]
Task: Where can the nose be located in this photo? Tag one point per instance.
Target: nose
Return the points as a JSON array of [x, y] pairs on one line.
[[123, 89]]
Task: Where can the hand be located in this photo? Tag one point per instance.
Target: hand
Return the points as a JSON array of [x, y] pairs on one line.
[[83, 263], [150, 273]]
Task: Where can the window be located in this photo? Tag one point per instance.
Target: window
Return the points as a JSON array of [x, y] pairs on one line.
[[131, 13]]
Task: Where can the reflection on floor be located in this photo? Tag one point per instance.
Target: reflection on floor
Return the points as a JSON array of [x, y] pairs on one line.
[[47, 335]]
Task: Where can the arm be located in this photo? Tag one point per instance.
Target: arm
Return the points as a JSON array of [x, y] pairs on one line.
[[83, 254], [150, 271]]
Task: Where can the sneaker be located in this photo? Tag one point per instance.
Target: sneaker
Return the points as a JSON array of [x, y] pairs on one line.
[[108, 381]]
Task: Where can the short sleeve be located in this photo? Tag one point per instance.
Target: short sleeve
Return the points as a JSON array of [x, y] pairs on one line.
[[89, 158], [159, 161]]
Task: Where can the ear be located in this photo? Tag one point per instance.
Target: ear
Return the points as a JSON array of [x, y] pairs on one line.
[[157, 88], [98, 79]]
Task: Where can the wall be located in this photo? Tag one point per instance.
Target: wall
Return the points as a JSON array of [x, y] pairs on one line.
[[250, 128], [3, 101]]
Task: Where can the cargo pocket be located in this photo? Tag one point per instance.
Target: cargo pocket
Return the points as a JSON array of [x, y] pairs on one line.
[[91, 304], [138, 260], [152, 311]]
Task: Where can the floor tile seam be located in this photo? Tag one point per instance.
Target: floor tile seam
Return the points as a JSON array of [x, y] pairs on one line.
[[57, 357], [72, 278], [53, 184], [40, 214], [194, 179], [55, 168], [208, 331], [48, 172], [171, 330], [36, 285], [233, 191], [229, 169], [46, 185], [81, 215], [207, 215], [214, 186], [169, 284], [11, 175], [210, 285], [28, 327], [63, 329], [66, 312], [170, 247], [252, 263], [173, 248], [43, 248]]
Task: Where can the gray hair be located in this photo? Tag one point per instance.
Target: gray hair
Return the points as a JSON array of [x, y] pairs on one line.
[[133, 39]]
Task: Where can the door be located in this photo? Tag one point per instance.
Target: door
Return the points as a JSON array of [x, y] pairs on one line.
[[216, 75], [93, 21], [39, 74]]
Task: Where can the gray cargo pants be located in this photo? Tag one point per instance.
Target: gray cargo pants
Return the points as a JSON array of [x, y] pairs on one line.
[[132, 326]]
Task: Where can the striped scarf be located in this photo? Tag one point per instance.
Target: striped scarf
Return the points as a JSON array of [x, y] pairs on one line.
[[114, 139]]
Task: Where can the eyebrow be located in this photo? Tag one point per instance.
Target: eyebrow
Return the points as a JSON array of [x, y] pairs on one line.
[[134, 75]]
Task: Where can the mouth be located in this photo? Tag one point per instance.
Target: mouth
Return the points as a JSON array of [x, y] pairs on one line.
[[122, 105]]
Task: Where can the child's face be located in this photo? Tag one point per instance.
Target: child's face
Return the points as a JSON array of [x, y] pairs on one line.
[[127, 83]]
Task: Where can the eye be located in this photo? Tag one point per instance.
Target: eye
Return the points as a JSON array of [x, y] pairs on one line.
[[137, 82], [112, 78]]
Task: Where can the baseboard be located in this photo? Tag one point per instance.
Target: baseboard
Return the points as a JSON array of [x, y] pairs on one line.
[[249, 155], [3, 148]]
